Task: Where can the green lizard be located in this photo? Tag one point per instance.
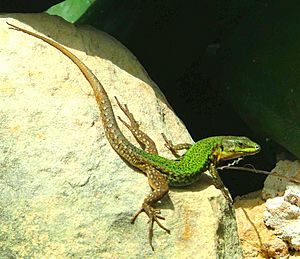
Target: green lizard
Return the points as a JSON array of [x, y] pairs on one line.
[[161, 172]]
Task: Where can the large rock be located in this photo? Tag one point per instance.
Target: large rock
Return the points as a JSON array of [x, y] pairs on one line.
[[64, 192]]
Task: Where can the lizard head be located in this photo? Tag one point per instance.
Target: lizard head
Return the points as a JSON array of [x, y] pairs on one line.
[[232, 147]]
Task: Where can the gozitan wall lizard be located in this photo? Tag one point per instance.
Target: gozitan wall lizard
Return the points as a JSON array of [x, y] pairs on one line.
[[161, 172]]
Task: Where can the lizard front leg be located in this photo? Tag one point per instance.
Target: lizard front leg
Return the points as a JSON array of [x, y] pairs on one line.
[[144, 140], [219, 183], [174, 148], [160, 188]]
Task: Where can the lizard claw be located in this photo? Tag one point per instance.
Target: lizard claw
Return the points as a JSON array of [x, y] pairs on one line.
[[153, 215]]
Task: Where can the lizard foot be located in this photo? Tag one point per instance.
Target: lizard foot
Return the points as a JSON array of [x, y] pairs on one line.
[[154, 216], [133, 122]]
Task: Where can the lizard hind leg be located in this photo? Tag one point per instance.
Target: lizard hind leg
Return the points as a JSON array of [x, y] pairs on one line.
[[142, 138], [159, 185]]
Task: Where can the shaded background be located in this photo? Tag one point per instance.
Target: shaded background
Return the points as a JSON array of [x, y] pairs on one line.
[[226, 67]]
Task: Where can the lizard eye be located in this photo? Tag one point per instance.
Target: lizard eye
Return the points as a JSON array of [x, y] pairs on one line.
[[241, 144]]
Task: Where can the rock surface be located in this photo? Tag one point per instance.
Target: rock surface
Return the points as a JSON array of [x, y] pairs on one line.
[[271, 229], [283, 212], [64, 193], [257, 240]]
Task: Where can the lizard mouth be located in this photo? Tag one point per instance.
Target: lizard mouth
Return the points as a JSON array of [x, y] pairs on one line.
[[236, 154]]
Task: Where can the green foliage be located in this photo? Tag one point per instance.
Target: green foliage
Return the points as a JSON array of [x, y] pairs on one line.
[[71, 10]]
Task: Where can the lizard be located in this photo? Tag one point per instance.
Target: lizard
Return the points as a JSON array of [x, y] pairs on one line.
[[161, 172]]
